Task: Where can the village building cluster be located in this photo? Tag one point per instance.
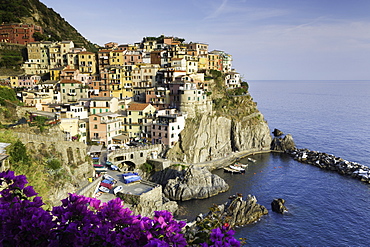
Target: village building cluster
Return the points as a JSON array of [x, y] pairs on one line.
[[142, 91]]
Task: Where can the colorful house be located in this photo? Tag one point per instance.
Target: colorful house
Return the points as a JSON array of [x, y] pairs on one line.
[[104, 126]]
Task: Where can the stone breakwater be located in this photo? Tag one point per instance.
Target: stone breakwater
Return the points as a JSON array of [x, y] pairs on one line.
[[332, 163]]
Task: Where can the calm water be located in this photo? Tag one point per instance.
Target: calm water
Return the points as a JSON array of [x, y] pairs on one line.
[[325, 209]]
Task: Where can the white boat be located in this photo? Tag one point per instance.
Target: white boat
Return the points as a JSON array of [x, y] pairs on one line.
[[229, 170], [104, 189], [241, 165], [117, 189], [251, 160], [238, 168]]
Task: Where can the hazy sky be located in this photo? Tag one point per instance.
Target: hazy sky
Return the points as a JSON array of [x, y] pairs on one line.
[[269, 39]]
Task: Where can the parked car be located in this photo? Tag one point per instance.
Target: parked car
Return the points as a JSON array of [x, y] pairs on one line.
[[117, 189]]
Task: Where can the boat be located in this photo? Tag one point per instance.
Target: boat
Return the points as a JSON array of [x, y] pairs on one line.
[[109, 186], [104, 189], [238, 168], [251, 160], [130, 177], [241, 165], [117, 189], [229, 170]]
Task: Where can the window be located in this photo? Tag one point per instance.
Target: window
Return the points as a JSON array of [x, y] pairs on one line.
[[95, 126]]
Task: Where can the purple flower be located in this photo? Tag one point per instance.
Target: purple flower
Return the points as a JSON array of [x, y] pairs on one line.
[[29, 191], [83, 221]]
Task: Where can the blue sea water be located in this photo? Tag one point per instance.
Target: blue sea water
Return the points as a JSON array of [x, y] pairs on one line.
[[325, 208]]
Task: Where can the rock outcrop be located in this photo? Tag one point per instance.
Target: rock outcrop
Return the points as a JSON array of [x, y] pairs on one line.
[[277, 133], [332, 163], [196, 183], [277, 205], [210, 137], [237, 212], [283, 144], [162, 177]]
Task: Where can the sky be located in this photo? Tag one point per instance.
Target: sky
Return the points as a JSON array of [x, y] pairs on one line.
[[268, 39]]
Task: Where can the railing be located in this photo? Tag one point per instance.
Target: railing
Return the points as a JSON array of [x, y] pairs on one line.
[[110, 120]]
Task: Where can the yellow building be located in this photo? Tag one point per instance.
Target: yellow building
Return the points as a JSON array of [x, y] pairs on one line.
[[119, 86], [138, 119], [87, 62], [116, 58], [202, 62]]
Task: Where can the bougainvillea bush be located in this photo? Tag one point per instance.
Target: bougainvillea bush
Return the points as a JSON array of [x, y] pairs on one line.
[[83, 221]]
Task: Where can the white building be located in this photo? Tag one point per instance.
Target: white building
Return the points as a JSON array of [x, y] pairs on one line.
[[167, 127]]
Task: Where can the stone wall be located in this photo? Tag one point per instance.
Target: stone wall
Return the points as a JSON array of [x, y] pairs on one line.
[[137, 155], [70, 153]]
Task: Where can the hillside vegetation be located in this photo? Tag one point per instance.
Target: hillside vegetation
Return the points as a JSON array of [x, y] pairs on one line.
[[231, 103], [55, 27]]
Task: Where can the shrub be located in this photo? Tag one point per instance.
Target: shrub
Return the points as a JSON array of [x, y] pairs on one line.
[[54, 164], [83, 221]]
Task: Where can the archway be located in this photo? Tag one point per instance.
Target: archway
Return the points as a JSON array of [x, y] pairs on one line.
[[128, 165]]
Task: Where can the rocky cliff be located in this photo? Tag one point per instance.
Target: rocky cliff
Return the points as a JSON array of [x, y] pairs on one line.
[[195, 183], [211, 136]]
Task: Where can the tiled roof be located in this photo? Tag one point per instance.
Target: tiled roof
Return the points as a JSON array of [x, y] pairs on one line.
[[86, 52], [70, 81], [137, 106]]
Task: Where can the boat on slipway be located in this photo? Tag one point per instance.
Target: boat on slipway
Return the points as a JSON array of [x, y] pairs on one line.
[[238, 168]]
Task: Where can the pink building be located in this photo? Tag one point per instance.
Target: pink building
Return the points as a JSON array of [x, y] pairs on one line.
[[104, 126]]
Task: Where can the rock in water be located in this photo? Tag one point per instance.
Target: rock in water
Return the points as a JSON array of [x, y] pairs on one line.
[[278, 206], [237, 212], [283, 144], [277, 133], [196, 183]]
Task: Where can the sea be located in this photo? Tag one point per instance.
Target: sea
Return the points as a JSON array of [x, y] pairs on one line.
[[324, 208]]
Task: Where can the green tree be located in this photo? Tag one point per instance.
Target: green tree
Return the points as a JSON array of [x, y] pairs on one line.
[[7, 94], [18, 153]]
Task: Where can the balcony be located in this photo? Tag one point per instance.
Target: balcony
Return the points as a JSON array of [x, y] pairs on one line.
[[106, 121], [96, 138], [72, 94]]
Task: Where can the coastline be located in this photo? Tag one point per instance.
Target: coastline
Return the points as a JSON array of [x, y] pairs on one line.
[[305, 156], [231, 158]]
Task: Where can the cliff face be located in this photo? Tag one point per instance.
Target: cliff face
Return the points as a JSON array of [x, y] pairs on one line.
[[210, 137]]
